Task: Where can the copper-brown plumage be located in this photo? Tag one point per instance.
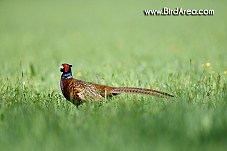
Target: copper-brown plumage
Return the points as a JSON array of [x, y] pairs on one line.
[[77, 91]]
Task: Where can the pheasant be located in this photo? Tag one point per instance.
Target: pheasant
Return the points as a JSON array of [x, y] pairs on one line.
[[77, 91]]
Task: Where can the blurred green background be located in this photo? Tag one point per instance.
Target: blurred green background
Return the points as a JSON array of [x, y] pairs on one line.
[[112, 42]]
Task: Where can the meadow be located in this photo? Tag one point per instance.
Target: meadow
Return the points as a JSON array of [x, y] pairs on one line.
[[113, 43]]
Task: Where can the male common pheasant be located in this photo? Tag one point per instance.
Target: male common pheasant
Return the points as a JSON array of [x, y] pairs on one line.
[[77, 91]]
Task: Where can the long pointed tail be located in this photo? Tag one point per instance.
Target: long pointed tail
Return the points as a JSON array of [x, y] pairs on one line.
[[120, 90]]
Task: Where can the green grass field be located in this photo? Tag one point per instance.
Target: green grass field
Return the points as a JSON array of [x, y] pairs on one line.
[[112, 42]]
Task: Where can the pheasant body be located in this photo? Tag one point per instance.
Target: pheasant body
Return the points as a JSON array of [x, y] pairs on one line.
[[77, 91]]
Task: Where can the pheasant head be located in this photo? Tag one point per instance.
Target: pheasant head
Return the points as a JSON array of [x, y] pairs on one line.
[[66, 70]]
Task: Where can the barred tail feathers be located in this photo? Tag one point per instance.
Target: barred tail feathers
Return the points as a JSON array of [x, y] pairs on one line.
[[129, 90]]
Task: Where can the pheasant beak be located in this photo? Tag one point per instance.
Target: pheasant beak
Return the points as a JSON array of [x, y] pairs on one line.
[[61, 68]]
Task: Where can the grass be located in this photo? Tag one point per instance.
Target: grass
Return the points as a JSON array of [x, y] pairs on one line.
[[112, 42]]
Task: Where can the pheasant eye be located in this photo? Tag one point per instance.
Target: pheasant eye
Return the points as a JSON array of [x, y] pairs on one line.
[[65, 67]]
